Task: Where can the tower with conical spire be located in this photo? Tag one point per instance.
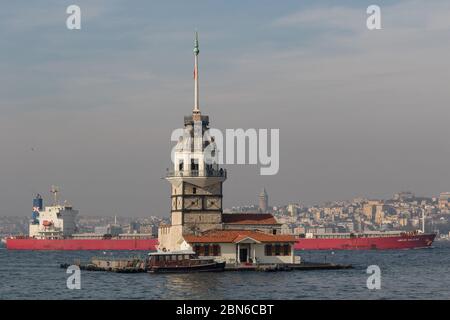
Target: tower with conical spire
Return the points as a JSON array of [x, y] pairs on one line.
[[197, 220], [196, 179], [263, 201]]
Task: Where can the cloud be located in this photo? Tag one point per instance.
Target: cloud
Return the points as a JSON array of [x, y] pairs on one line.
[[343, 18], [358, 109], [409, 28], [26, 17]]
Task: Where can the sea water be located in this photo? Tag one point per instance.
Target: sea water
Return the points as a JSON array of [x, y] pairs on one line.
[[405, 274]]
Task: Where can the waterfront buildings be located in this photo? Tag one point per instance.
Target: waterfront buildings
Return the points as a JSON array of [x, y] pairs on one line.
[[403, 211]]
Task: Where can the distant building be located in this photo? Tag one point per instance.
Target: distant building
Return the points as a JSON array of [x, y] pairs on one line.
[[263, 201], [299, 230], [286, 229], [293, 209], [379, 216], [404, 196], [148, 228], [132, 227], [111, 229], [373, 210], [444, 200]]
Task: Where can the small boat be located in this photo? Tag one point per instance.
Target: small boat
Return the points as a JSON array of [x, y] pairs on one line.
[[181, 261]]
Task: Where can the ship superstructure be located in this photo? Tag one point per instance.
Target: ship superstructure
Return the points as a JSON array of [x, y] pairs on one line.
[[52, 222]]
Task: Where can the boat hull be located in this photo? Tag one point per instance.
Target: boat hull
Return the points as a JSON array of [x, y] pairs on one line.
[[81, 244], [367, 243], [210, 267]]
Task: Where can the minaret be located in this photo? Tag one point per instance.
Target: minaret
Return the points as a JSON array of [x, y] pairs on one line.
[[196, 179], [196, 110]]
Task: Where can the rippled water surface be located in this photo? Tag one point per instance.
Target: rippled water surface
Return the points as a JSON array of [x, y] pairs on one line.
[[406, 274]]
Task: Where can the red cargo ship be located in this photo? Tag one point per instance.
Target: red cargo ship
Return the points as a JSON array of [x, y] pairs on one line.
[[54, 227], [18, 243], [366, 241]]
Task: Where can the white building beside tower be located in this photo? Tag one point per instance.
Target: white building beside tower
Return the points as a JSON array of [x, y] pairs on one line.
[[197, 219]]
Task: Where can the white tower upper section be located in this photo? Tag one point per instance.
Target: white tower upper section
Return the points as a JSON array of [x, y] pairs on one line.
[[196, 153]]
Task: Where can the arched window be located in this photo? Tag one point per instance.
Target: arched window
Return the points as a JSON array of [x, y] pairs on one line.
[[197, 249], [277, 249], [216, 250], [268, 249]]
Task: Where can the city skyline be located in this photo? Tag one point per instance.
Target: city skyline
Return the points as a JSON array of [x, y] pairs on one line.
[[403, 210], [360, 113], [255, 206]]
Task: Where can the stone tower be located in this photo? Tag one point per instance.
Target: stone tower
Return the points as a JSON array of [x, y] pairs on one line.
[[196, 179], [263, 201]]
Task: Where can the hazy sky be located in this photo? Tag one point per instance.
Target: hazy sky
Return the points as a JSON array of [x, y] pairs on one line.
[[360, 113]]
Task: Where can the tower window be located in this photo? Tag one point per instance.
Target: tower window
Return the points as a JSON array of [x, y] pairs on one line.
[[277, 249], [194, 190], [216, 250], [268, 249], [194, 167]]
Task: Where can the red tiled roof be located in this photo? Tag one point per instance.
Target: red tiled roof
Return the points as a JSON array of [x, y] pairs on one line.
[[248, 218], [234, 236]]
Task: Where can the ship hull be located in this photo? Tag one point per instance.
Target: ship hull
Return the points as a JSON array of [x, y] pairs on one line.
[[208, 267], [81, 244], [367, 243]]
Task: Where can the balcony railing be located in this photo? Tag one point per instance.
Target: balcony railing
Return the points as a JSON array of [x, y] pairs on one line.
[[197, 173]]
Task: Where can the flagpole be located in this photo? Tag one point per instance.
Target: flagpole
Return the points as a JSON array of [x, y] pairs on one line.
[[196, 95]]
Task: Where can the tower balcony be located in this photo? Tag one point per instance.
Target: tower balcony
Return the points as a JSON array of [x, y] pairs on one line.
[[189, 120], [220, 173]]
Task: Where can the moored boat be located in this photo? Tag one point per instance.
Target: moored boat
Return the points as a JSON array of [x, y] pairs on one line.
[[181, 262]]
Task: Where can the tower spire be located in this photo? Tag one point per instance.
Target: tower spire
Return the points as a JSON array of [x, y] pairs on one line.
[[196, 52]]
